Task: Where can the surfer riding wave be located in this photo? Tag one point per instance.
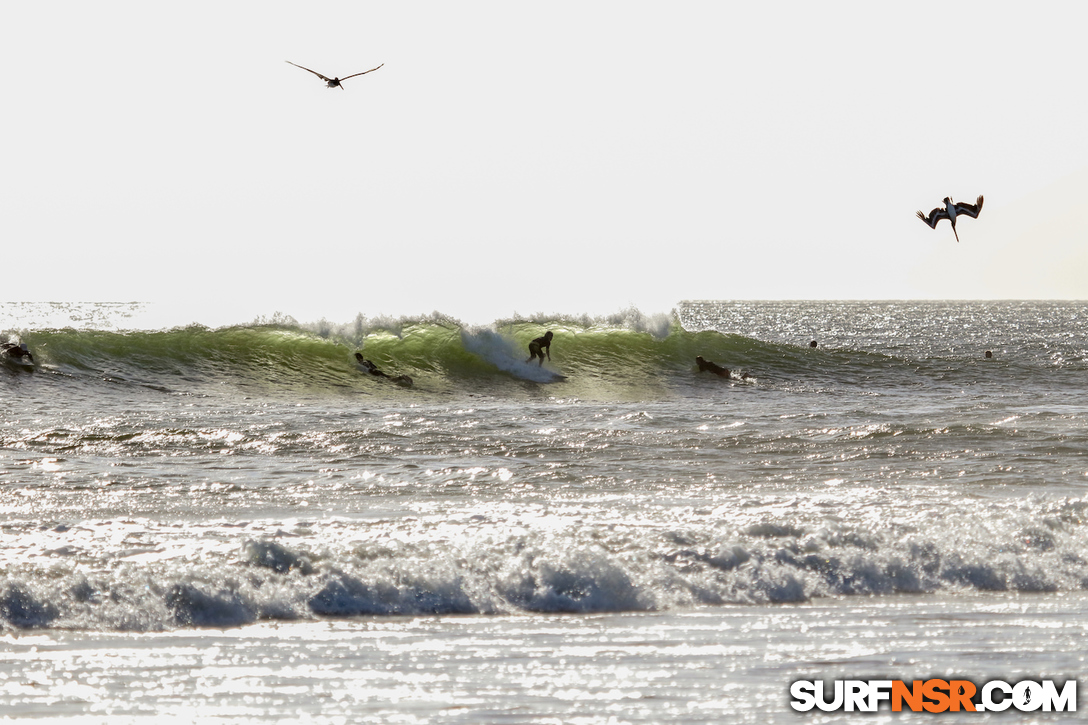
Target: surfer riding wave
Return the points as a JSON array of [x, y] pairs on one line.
[[541, 346]]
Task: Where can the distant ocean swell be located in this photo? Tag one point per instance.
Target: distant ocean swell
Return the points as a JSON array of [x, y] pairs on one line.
[[110, 579]]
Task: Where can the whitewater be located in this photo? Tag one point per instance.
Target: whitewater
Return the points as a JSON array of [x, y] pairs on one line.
[[236, 523]]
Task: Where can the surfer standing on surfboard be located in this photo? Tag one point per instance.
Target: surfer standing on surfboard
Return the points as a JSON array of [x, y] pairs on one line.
[[541, 346]]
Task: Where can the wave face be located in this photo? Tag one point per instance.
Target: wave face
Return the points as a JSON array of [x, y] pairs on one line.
[[441, 356], [627, 356]]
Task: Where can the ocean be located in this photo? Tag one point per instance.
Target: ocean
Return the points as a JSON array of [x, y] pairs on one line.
[[236, 523]]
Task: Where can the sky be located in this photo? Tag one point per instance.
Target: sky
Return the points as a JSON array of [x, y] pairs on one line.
[[524, 158]]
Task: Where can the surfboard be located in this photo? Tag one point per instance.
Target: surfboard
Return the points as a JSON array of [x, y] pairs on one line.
[[19, 363], [531, 371]]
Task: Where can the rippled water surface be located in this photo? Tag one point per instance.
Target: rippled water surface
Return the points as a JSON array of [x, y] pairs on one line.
[[238, 524]]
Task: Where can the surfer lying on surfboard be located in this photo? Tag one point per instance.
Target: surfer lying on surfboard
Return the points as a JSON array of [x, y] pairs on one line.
[[16, 352], [373, 370], [541, 346], [711, 367]]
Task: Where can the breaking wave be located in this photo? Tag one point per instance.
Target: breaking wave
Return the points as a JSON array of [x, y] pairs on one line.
[[109, 577], [623, 355]]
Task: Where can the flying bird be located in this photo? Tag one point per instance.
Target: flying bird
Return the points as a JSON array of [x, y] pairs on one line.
[[950, 211], [335, 82]]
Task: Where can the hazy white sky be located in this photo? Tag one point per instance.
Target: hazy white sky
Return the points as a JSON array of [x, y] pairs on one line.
[[514, 157]]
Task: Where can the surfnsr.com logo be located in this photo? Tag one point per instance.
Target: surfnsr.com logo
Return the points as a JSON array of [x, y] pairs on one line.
[[934, 696]]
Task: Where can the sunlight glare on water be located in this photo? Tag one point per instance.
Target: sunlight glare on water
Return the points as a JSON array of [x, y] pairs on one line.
[[238, 524]]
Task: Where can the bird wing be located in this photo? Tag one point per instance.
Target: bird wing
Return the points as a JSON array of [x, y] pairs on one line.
[[359, 74], [970, 210], [934, 216], [312, 71]]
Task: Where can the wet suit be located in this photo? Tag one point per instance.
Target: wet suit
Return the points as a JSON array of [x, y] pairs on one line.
[[16, 351], [711, 367], [541, 346], [371, 368]]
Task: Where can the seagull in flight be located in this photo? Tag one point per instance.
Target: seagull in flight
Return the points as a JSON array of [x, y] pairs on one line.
[[950, 211], [335, 82]]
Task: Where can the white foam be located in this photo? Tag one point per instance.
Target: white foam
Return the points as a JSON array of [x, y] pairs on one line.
[[502, 353]]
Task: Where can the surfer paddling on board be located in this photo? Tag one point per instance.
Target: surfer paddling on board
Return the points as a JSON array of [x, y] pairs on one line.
[[373, 370], [711, 367], [16, 352], [540, 347]]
